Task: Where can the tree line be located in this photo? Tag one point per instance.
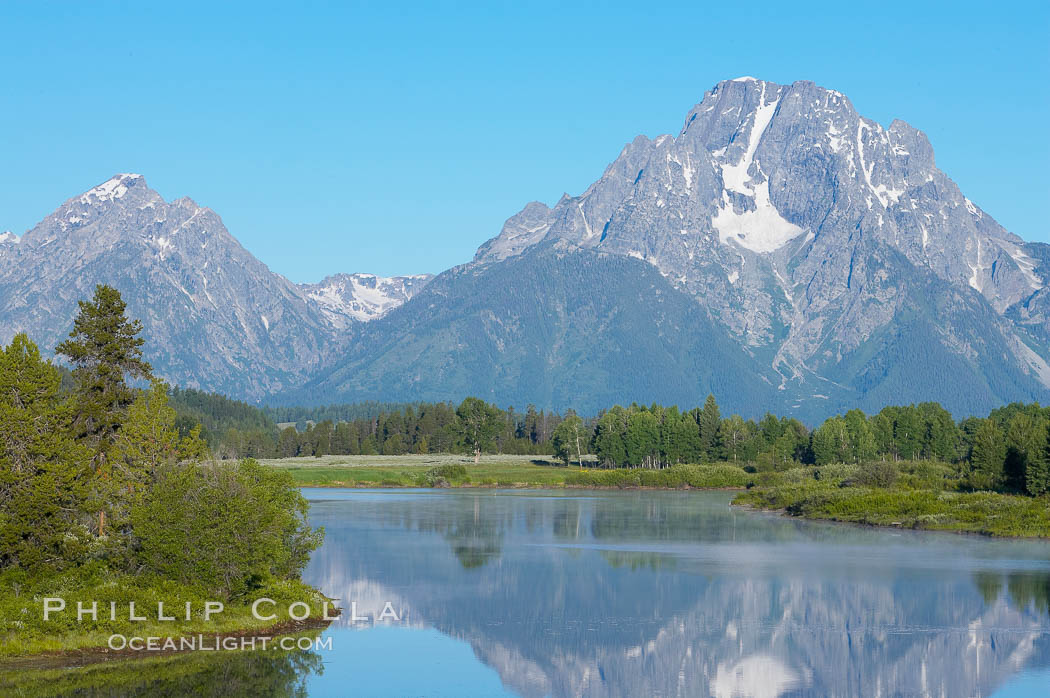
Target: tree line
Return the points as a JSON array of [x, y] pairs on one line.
[[1007, 450], [95, 472]]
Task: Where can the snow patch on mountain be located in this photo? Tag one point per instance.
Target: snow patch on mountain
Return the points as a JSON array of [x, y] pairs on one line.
[[761, 229], [345, 298], [113, 188], [736, 177]]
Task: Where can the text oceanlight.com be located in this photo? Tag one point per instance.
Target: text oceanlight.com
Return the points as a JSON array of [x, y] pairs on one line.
[[215, 643]]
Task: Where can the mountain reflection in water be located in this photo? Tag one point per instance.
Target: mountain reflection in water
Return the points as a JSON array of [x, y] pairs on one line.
[[676, 593]]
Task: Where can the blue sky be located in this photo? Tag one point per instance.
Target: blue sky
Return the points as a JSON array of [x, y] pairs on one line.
[[395, 138]]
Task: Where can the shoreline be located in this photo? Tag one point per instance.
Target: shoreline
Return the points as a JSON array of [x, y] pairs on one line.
[[914, 522], [517, 486]]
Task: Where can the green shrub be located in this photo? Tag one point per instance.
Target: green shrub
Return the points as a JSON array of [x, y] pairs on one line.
[[877, 474], [445, 475], [247, 524], [699, 476]]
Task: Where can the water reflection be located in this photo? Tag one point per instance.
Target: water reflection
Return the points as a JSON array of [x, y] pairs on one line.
[[666, 593], [272, 673]]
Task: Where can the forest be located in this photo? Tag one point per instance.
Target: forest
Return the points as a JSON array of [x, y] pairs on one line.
[[1008, 450]]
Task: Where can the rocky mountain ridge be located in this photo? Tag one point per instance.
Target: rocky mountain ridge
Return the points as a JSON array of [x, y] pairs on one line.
[[215, 316], [345, 298]]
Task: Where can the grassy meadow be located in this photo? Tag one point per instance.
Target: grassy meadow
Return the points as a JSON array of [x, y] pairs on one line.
[[450, 470]]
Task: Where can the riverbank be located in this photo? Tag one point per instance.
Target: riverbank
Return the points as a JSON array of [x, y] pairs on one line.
[[120, 601], [920, 496]]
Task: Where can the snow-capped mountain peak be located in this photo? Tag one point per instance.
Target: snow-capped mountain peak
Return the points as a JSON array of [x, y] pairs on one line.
[[778, 206], [344, 298], [113, 188]]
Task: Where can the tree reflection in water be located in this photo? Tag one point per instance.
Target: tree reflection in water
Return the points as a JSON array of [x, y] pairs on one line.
[[237, 673]]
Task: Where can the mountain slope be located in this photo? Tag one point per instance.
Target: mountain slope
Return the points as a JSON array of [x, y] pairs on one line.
[[552, 328]]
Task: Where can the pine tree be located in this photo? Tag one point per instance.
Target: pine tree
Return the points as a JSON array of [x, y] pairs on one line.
[[987, 455], [148, 440], [1024, 443], [104, 347], [710, 419], [42, 479], [1037, 473]]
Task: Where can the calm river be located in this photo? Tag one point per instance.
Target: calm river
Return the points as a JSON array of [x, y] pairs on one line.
[[643, 593], [664, 594]]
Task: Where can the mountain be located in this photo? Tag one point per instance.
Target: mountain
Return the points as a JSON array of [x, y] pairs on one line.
[[344, 298], [842, 265], [781, 251], [215, 317]]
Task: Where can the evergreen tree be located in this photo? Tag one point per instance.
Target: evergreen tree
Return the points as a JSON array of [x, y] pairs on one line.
[[42, 480], [1025, 434], [288, 444], [987, 456], [710, 420], [1037, 477], [148, 440], [105, 349]]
